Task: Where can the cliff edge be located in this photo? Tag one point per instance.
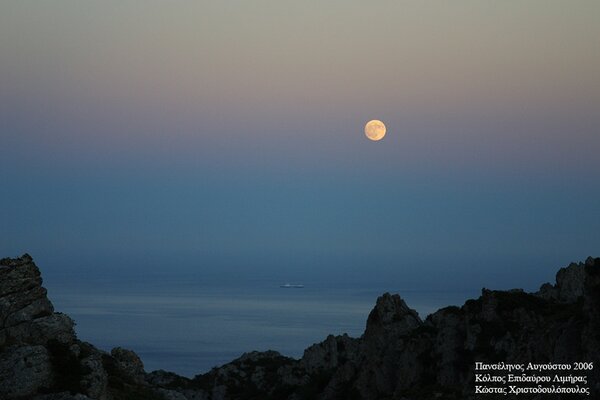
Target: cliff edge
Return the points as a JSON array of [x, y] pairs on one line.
[[399, 356]]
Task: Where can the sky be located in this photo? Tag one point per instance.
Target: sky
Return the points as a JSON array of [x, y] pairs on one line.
[[227, 137]]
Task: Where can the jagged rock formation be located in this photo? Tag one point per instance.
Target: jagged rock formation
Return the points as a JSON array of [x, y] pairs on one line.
[[398, 357], [40, 356]]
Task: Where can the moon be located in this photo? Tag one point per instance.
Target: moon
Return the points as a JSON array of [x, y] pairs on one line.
[[375, 130]]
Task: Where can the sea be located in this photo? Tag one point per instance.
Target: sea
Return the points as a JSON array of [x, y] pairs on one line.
[[189, 326]]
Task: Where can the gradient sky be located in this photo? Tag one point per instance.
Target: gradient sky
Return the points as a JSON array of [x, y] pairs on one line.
[[227, 136]]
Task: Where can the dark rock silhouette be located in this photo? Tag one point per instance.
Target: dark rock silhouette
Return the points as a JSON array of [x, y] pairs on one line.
[[398, 357]]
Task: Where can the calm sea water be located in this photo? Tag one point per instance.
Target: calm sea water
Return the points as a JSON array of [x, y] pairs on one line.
[[189, 327]]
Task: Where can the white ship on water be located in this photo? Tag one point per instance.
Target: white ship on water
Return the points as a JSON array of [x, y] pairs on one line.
[[291, 286]]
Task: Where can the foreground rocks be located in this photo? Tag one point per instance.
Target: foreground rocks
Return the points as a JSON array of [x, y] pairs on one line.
[[42, 359], [398, 357]]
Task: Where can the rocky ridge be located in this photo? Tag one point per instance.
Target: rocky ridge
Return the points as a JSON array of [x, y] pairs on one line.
[[399, 356]]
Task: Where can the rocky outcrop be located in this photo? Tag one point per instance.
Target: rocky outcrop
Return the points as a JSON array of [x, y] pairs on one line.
[[24, 370], [402, 357], [399, 356], [27, 324], [570, 282], [40, 356], [26, 314]]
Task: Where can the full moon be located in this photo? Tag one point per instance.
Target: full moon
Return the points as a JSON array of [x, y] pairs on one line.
[[375, 130]]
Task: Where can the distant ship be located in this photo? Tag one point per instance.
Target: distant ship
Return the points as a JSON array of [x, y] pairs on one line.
[[290, 286]]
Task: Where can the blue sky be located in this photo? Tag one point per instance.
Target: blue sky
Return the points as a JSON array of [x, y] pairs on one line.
[[221, 138]]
